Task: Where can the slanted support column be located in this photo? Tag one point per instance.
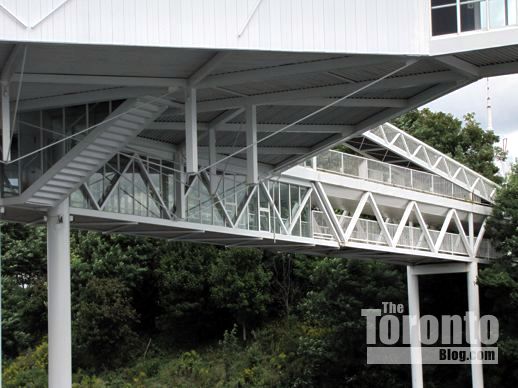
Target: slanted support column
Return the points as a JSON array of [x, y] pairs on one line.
[[251, 141], [416, 356], [212, 161], [59, 311], [6, 121], [477, 376], [191, 131], [471, 234]]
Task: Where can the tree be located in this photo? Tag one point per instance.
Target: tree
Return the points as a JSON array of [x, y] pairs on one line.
[[333, 350], [290, 279], [104, 324], [240, 285], [24, 288], [186, 310], [467, 142], [499, 282]]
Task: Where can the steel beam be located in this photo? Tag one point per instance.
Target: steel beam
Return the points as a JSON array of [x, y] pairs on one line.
[[6, 121], [252, 160], [258, 75], [207, 68], [262, 128], [260, 150], [352, 102], [191, 131], [328, 91], [119, 93], [101, 80], [460, 66]]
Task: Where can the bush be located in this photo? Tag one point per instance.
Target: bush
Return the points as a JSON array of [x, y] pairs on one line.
[[28, 370]]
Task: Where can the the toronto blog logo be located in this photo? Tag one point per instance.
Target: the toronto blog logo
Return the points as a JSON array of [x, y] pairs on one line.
[[396, 338]]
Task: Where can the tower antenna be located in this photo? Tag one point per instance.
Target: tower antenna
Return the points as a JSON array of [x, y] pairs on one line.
[[489, 108]]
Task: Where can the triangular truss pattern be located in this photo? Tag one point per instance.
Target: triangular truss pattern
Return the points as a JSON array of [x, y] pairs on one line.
[[423, 234], [362, 229], [355, 225], [421, 154], [253, 207], [130, 190]]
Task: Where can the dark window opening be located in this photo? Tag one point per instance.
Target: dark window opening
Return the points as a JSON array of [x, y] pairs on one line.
[[444, 20]]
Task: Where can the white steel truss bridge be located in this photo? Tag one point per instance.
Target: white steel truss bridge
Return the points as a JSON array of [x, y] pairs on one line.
[[393, 199], [336, 203]]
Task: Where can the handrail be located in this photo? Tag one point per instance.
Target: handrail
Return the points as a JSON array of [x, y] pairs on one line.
[[373, 170]]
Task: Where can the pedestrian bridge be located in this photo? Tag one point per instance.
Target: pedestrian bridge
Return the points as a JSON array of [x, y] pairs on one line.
[[416, 206]]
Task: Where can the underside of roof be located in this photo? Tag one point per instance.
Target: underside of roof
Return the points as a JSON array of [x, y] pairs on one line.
[[287, 87]]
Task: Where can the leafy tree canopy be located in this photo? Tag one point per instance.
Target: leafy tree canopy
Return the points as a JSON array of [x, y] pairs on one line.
[[465, 141]]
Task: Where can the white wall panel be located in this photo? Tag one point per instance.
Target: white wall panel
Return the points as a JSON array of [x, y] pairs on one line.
[[377, 26]]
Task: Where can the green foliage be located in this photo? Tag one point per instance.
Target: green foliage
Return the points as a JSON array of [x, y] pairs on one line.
[[186, 310], [24, 286], [332, 349], [503, 225], [28, 370], [240, 284], [104, 324], [499, 281], [467, 142]]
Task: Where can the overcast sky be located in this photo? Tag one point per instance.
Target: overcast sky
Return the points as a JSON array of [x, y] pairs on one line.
[[472, 98]]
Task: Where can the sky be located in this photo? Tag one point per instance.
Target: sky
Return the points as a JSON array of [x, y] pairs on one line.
[[472, 98]]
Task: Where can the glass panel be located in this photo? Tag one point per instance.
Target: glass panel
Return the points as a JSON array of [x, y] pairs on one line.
[[444, 21], [500, 12], [284, 208], [473, 16]]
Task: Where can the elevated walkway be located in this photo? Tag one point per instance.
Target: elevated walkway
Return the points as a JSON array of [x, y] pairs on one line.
[[394, 140], [335, 204], [120, 180]]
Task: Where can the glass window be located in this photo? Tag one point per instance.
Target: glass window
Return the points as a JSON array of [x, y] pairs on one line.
[[444, 20], [512, 12], [472, 15], [502, 13]]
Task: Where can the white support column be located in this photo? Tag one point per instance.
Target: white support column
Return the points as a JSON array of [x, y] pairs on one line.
[[179, 187], [191, 130], [477, 376], [471, 234], [416, 356], [251, 142], [6, 121], [59, 310], [212, 160]]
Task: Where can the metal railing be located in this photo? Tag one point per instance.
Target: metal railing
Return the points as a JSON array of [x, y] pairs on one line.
[[356, 166], [369, 232], [432, 160]]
